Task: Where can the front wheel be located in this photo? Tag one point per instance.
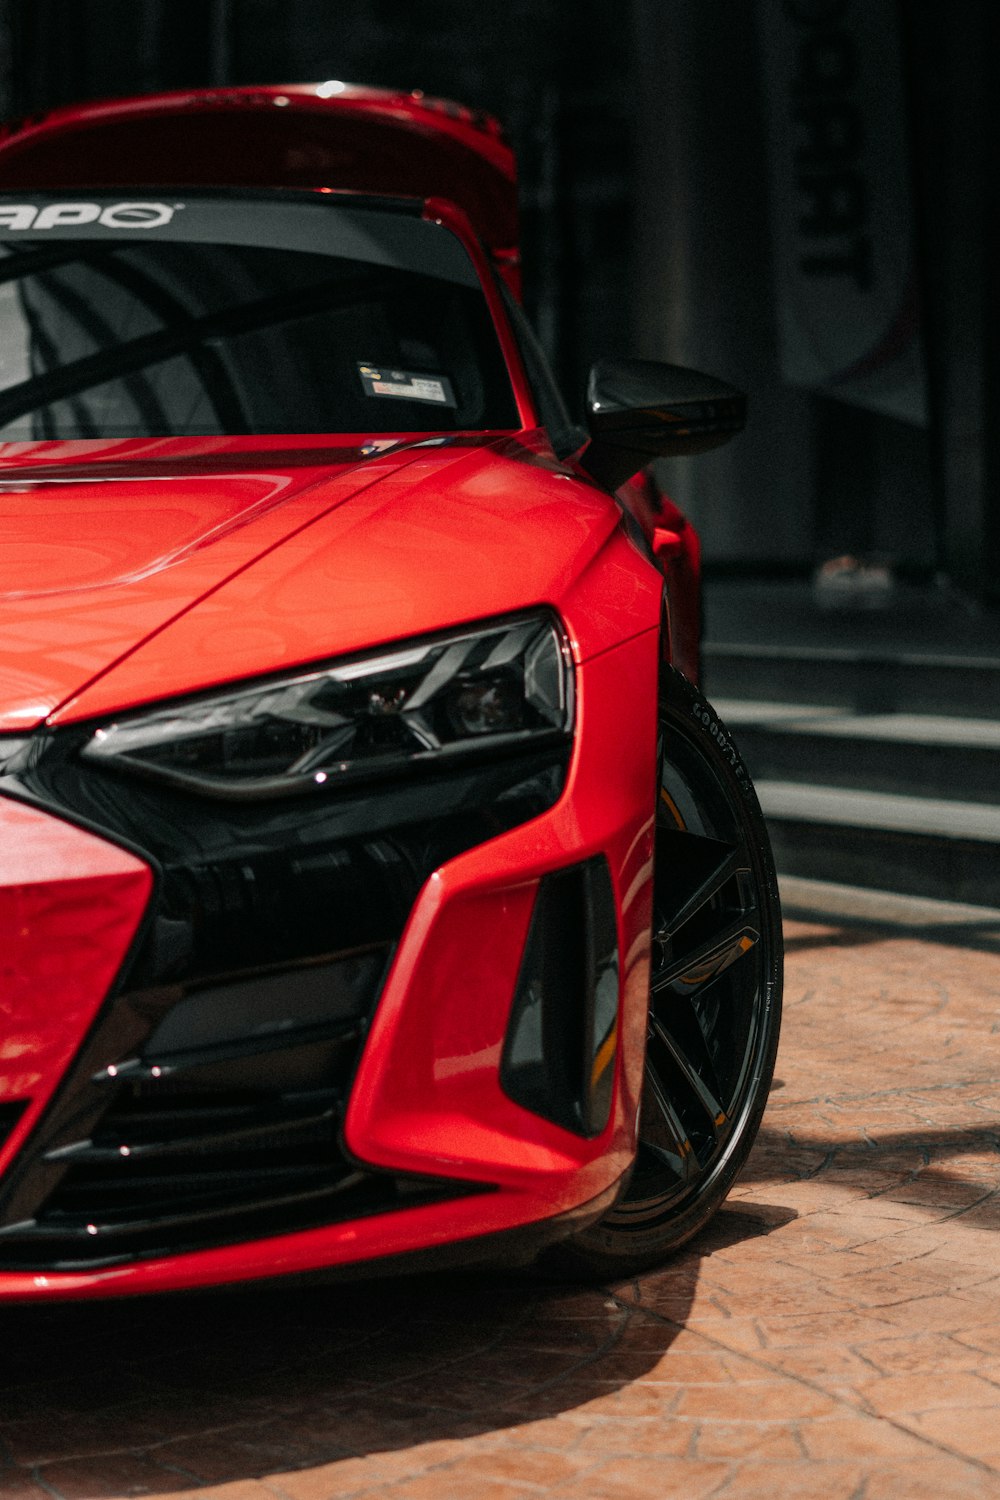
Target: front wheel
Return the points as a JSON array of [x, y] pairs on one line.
[[715, 995]]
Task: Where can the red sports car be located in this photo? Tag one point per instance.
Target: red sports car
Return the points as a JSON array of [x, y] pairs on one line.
[[376, 889]]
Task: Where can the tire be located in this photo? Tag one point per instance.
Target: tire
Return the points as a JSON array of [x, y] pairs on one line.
[[715, 996]]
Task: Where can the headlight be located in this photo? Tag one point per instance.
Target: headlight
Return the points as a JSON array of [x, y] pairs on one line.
[[495, 688]]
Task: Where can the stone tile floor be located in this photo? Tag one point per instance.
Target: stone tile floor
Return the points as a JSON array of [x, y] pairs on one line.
[[836, 1333]]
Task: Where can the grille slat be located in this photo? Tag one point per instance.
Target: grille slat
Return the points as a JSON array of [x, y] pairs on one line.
[[104, 1201], [220, 1131], [59, 1226], [223, 1175], [180, 1065]]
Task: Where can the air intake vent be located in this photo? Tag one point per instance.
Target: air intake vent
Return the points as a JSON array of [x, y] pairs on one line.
[[561, 1046]]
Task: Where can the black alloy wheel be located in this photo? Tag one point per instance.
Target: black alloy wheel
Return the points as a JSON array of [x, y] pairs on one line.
[[715, 995]]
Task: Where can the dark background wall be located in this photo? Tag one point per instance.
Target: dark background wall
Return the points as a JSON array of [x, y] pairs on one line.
[[651, 140]]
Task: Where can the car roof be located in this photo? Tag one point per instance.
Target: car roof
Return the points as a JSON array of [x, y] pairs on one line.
[[328, 134]]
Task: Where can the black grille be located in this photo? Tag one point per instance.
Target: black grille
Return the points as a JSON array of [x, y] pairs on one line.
[[236, 1139], [206, 1106]]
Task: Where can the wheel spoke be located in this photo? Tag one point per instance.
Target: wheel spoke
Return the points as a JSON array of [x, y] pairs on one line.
[[693, 1080], [690, 871], [661, 1130], [705, 961]]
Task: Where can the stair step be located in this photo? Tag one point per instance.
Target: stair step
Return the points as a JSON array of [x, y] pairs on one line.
[[925, 683], [872, 735], [954, 759], [927, 817], [921, 846], [824, 901], [908, 728]]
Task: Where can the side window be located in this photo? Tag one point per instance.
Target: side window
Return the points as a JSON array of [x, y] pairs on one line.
[[565, 437]]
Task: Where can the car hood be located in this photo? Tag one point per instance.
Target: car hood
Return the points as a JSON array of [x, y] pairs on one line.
[[103, 548], [466, 530]]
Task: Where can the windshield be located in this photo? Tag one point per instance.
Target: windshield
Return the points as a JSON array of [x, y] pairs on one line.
[[239, 314]]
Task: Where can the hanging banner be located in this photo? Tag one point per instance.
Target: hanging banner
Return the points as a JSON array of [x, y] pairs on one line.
[[841, 207]]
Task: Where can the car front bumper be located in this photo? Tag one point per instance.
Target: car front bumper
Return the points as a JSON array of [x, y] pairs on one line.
[[395, 1134]]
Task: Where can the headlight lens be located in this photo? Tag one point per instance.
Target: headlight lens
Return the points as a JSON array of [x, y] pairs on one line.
[[496, 687], [14, 753]]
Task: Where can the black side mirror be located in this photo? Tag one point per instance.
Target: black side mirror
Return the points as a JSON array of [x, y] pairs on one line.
[[639, 409]]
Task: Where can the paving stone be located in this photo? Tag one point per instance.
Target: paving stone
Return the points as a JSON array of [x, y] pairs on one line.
[[862, 1437], [828, 1366], [748, 1440], [16, 1485], [932, 1479], [112, 1477], [777, 1400], [762, 1481], [625, 1437], [986, 1339], [973, 1431], [926, 1391], [458, 1486], [642, 1478]]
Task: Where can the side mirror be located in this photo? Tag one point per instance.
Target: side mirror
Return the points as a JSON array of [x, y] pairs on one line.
[[639, 409]]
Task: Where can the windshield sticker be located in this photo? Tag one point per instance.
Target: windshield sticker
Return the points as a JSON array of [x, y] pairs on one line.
[[406, 385]]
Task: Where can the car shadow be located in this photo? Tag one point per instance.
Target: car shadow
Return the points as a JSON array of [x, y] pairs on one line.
[[235, 1385], [895, 1166], [981, 935]]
